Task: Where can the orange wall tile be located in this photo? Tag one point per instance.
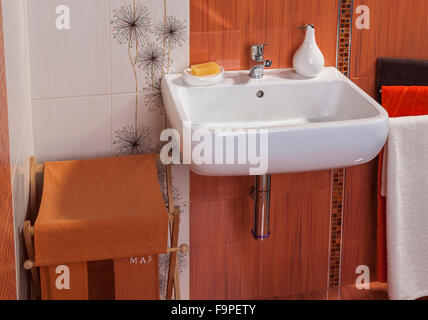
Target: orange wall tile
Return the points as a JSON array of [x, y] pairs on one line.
[[397, 29], [223, 30], [7, 242], [226, 262]]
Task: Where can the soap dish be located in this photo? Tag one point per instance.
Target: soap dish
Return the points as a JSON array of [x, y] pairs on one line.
[[195, 81]]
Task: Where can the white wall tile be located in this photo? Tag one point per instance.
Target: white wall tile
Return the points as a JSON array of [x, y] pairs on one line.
[[72, 128], [20, 185], [121, 70], [19, 114], [20, 123], [123, 115], [181, 182], [184, 259], [68, 63], [180, 55], [72, 114], [16, 49]]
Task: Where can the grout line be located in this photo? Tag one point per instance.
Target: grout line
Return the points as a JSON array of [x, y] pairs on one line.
[[109, 48], [341, 228], [344, 170], [110, 76], [339, 175], [329, 232], [28, 119], [86, 96], [350, 38], [338, 33]]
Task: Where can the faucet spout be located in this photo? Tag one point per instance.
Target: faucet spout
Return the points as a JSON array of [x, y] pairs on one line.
[[257, 52], [257, 71]]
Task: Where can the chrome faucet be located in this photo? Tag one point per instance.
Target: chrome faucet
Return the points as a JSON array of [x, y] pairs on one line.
[[257, 52]]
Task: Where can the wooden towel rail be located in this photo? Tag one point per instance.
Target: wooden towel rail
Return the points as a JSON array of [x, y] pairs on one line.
[[174, 223]]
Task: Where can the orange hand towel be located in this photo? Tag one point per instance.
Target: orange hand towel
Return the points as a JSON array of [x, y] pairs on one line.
[[399, 101], [64, 282], [102, 209], [137, 278]]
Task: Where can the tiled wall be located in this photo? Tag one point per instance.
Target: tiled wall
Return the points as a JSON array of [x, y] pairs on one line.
[[338, 175], [20, 122], [397, 29], [84, 99], [223, 30], [7, 241], [226, 261], [72, 95], [229, 263]]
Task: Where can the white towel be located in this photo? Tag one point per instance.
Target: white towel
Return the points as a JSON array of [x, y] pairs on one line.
[[407, 208]]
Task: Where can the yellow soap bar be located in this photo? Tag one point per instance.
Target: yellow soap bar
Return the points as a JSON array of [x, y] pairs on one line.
[[205, 69]]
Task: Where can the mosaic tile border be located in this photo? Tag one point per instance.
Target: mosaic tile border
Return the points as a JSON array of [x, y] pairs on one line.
[[344, 35], [337, 193]]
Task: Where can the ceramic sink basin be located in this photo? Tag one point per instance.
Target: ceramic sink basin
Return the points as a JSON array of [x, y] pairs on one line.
[[309, 124]]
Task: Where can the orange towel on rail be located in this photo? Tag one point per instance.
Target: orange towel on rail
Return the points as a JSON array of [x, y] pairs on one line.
[[64, 282], [399, 101], [101, 209]]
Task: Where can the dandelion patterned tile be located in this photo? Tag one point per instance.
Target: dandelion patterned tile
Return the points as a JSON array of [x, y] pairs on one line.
[[149, 126], [152, 54]]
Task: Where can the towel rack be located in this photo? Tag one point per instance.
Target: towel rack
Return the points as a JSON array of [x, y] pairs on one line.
[[173, 221]]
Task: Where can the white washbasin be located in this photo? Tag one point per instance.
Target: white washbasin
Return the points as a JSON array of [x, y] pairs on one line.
[[311, 124]]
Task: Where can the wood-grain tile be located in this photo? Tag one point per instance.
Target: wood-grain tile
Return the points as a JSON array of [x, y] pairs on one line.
[[224, 260], [367, 84], [7, 242], [212, 188], [397, 29], [223, 30], [377, 291], [301, 181], [359, 232], [295, 259], [220, 222], [365, 174], [227, 263]]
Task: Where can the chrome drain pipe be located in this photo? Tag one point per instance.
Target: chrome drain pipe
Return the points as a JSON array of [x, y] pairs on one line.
[[261, 229]]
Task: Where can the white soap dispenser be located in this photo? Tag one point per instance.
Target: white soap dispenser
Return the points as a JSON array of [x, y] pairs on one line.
[[308, 60]]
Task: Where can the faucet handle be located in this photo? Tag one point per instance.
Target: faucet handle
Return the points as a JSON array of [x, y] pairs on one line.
[[257, 52], [268, 63]]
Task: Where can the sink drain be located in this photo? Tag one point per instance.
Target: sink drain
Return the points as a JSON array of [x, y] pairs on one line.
[[260, 94]]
